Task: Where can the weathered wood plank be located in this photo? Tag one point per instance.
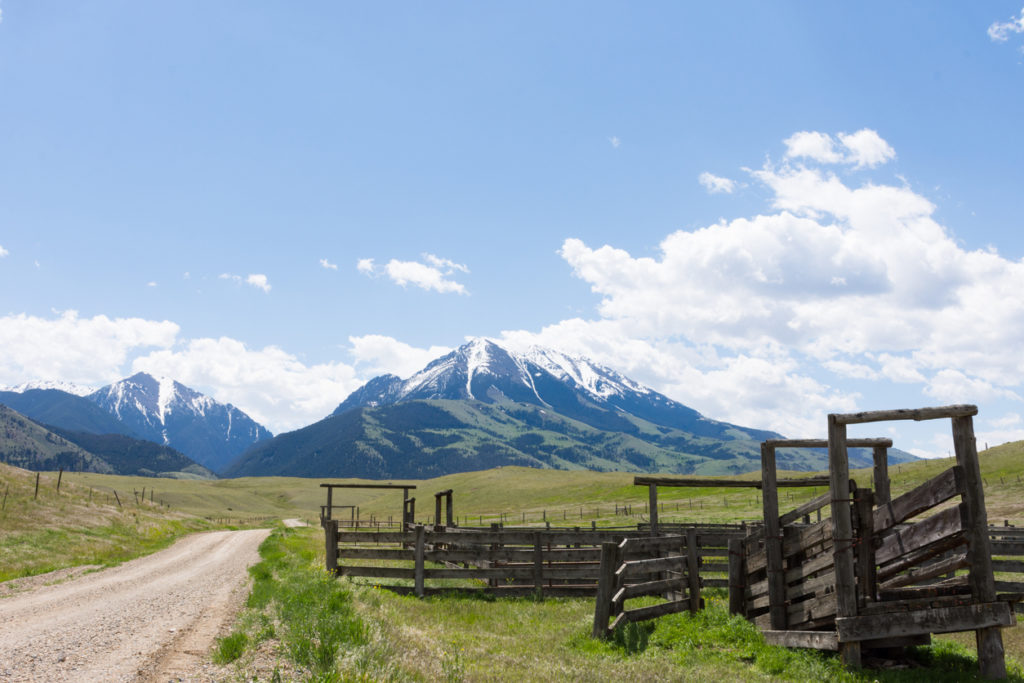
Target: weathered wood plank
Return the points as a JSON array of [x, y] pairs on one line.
[[605, 588], [692, 570], [937, 620], [658, 564], [1008, 566], [816, 608], [842, 532], [805, 509], [649, 588], [814, 640], [916, 414], [903, 540], [654, 611], [823, 443], [1007, 547], [378, 572], [912, 559], [773, 542], [688, 482], [929, 572], [935, 491]]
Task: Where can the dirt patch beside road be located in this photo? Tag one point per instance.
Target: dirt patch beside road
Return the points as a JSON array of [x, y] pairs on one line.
[[154, 618]]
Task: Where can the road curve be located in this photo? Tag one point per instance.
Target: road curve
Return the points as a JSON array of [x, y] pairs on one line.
[[153, 618]]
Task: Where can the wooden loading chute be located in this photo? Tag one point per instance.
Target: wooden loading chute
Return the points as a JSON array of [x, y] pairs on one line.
[[878, 572]]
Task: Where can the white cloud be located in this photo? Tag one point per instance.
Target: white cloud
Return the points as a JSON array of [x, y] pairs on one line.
[[90, 351], [376, 355], [324, 263], [864, 149], [151, 283], [716, 184], [3, 252], [435, 274], [857, 280], [812, 145], [271, 385], [1000, 31], [257, 280], [615, 141]]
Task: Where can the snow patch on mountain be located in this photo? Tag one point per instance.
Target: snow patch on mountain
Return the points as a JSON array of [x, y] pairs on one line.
[[67, 387]]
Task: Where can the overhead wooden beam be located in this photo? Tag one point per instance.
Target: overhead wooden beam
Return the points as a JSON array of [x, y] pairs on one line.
[[823, 443], [686, 482], [916, 414]]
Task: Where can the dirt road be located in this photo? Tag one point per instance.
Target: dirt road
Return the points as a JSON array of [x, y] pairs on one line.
[[151, 619]]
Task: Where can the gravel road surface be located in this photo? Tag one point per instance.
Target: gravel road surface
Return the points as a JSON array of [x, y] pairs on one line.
[[152, 619]]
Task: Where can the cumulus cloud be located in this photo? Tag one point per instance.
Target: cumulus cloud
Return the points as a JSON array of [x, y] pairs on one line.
[[377, 355], [615, 141], [3, 252], [1000, 31], [855, 280], [324, 263], [716, 184], [67, 347], [271, 385], [257, 280], [863, 149], [433, 273]]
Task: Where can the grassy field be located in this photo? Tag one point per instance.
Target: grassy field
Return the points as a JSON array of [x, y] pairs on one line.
[[398, 638]]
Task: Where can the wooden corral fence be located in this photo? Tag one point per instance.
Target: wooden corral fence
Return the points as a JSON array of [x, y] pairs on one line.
[[501, 560], [878, 572], [674, 567]]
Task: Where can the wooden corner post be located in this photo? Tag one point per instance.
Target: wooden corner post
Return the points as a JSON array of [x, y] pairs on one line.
[[331, 545], [773, 539], [991, 655], [842, 534]]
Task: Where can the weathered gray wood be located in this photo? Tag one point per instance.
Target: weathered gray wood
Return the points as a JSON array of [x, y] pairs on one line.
[[842, 533], [381, 553], [880, 455], [819, 563], [737, 577], [916, 414], [331, 545], [930, 592], [1007, 547], [419, 549], [773, 540], [1008, 566], [658, 587], [605, 589], [903, 540], [924, 573], [538, 562], [815, 640], [991, 655], [866, 577], [914, 558], [937, 620], [933, 492], [805, 509], [692, 570], [819, 585], [800, 540], [368, 486], [823, 443], [378, 572], [654, 611], [816, 608], [689, 482], [652, 491], [635, 568]]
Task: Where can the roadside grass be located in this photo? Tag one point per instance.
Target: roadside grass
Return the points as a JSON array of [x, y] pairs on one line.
[[321, 628]]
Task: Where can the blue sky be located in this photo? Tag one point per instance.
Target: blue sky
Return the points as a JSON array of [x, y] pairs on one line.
[[768, 211]]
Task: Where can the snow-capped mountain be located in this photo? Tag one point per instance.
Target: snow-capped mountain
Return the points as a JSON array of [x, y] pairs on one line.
[[168, 412], [46, 385], [571, 385]]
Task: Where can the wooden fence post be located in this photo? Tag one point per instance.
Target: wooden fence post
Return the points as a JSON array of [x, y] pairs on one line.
[[991, 655], [881, 458], [773, 539], [692, 570], [653, 505], [37, 487], [842, 534], [538, 564], [737, 578], [331, 547], [605, 586], [419, 554], [60, 475]]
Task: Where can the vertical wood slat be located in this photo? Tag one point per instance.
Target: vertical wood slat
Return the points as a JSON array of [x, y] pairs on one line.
[[692, 570], [331, 543], [991, 654], [866, 571], [773, 540], [605, 590], [449, 515], [881, 458], [538, 563], [842, 534], [437, 512], [737, 577], [652, 495], [419, 555]]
